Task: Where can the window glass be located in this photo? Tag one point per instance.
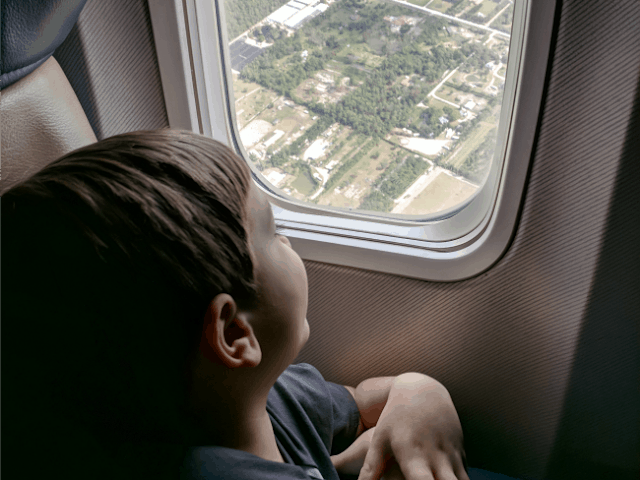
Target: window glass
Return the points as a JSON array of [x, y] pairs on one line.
[[385, 106]]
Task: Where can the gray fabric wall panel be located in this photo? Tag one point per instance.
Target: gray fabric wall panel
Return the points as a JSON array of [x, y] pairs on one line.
[[110, 61], [505, 343]]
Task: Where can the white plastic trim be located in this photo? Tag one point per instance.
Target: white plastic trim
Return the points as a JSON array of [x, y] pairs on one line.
[[172, 49], [455, 245]]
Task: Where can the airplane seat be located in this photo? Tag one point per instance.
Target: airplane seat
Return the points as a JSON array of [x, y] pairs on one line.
[[42, 118]]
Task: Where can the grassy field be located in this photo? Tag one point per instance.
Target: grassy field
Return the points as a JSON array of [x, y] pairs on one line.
[[439, 5], [459, 97], [336, 140], [360, 177], [336, 66], [507, 16], [252, 103], [291, 119], [472, 142], [442, 193], [448, 93], [304, 184], [307, 90], [240, 87], [434, 102], [487, 8], [359, 54]]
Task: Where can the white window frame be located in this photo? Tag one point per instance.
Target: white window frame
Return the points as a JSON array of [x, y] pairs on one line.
[[453, 245]]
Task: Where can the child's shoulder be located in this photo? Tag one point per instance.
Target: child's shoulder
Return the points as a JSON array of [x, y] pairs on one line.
[[302, 378], [303, 386]]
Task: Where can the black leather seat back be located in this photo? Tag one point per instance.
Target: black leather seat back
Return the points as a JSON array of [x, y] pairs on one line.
[[41, 117]]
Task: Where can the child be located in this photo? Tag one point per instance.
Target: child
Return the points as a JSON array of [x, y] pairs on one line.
[[162, 312]]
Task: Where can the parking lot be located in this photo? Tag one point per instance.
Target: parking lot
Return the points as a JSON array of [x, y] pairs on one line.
[[242, 54]]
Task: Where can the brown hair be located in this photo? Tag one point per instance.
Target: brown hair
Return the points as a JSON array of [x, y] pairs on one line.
[[113, 253]]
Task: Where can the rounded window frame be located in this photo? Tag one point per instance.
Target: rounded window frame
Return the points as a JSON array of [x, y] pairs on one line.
[[452, 245]]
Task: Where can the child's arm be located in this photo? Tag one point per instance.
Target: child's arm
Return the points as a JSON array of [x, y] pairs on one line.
[[420, 425], [351, 460], [416, 410]]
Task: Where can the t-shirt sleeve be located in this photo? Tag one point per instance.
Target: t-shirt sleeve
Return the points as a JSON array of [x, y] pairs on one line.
[[329, 407], [346, 417]]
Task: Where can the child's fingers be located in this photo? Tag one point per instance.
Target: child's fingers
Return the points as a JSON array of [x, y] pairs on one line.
[[374, 463], [416, 469], [393, 471]]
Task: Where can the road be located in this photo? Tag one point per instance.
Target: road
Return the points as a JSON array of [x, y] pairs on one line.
[[499, 13], [432, 93], [451, 18], [246, 95], [324, 173], [494, 75]]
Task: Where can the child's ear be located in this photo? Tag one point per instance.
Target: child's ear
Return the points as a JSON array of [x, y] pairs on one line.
[[227, 336]]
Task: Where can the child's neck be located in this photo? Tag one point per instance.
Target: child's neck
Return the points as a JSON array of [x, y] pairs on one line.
[[262, 440], [252, 433]]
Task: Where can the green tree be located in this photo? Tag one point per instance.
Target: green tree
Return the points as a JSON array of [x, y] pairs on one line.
[[376, 201]]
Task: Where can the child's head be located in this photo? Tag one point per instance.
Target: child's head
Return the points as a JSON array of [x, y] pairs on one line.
[[116, 257]]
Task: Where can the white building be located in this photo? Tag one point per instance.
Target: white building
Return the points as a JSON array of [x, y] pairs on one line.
[[315, 150], [282, 14], [298, 18]]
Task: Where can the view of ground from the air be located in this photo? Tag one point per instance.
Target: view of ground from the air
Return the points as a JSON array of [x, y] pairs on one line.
[[386, 106]]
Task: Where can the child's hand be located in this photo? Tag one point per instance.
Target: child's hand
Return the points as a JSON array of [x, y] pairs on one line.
[[419, 427], [350, 461]]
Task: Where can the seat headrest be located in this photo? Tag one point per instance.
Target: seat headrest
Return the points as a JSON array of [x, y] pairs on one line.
[[30, 31], [42, 120]]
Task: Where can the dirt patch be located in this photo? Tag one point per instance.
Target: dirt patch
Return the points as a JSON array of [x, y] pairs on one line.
[[252, 133], [442, 193]]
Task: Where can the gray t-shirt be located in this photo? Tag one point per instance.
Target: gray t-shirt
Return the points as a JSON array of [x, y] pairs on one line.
[[312, 419]]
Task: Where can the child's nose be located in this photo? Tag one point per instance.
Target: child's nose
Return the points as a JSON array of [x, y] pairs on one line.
[[285, 240]]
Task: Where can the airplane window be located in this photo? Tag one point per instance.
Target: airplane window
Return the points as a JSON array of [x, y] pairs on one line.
[[390, 135], [370, 105]]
